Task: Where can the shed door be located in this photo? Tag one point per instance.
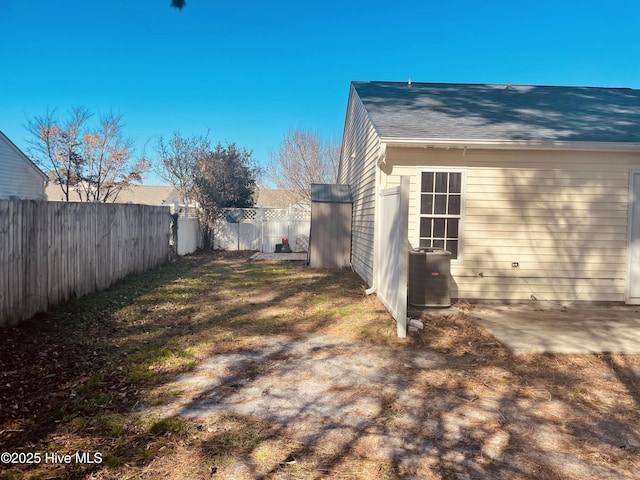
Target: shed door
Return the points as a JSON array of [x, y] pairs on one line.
[[330, 242], [633, 251]]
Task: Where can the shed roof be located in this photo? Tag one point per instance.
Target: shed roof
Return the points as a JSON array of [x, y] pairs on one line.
[[502, 112], [330, 193]]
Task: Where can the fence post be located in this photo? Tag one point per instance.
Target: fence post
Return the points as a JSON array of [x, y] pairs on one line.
[[259, 212], [289, 223]]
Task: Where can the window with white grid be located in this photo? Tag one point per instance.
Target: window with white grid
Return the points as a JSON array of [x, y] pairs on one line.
[[441, 205]]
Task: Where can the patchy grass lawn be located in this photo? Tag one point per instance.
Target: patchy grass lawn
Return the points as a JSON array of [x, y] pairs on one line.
[[117, 376]]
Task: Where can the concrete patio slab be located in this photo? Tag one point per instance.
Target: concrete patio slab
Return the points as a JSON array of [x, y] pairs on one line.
[[279, 257], [536, 328]]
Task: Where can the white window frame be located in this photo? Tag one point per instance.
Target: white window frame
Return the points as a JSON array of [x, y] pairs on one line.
[[463, 194]]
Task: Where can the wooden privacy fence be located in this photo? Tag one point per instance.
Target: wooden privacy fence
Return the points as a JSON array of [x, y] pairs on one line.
[[52, 251]]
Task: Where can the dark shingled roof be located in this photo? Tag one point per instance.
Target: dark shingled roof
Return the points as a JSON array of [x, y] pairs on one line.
[[502, 112]]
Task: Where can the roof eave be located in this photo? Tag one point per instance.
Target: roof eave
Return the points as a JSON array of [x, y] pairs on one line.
[[509, 144]]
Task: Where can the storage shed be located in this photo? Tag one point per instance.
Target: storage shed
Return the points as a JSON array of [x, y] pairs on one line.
[[330, 236]]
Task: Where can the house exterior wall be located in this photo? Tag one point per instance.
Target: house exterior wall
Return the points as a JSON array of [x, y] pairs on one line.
[[360, 151], [19, 177], [561, 215]]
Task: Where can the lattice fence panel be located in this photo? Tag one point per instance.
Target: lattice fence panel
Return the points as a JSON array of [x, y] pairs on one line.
[[263, 228]]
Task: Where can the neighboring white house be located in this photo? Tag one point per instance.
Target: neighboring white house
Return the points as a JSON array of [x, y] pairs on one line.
[[534, 189], [20, 178]]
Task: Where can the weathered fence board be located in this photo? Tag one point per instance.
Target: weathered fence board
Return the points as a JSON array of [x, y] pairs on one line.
[[52, 251]]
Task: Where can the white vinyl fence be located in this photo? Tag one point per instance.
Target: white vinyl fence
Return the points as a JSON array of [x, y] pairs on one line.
[[189, 236], [262, 228], [392, 262]]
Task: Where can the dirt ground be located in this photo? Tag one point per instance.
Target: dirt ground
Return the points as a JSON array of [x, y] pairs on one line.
[[216, 367]]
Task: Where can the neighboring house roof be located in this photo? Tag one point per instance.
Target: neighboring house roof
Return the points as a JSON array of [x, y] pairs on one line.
[[54, 192], [269, 198], [445, 111], [142, 194], [330, 193], [148, 195]]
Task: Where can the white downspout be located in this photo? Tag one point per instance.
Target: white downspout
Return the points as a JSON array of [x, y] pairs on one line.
[[382, 157]]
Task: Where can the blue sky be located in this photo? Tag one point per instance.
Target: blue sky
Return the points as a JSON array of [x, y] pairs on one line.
[[249, 71]]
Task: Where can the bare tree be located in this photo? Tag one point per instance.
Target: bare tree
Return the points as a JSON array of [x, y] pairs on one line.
[[304, 158], [108, 165], [215, 178], [96, 164], [225, 178], [56, 148], [179, 159]]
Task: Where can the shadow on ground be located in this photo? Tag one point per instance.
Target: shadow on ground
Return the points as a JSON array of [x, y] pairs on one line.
[[221, 368]]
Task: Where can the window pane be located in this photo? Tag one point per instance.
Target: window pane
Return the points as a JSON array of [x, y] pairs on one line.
[[425, 227], [440, 210], [440, 204], [455, 183], [452, 228], [427, 182], [426, 204], [454, 205], [441, 182], [452, 246], [425, 242], [438, 227]]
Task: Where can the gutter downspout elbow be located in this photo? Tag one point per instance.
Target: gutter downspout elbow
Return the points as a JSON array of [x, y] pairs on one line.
[[382, 155]]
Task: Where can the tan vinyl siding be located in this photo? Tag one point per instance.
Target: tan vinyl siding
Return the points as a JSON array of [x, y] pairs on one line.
[[360, 150], [19, 177], [561, 215]]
